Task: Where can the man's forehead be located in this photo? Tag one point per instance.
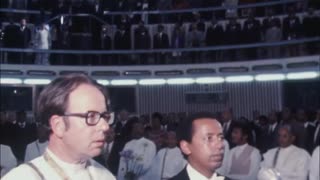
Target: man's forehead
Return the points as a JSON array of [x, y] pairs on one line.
[[207, 125]]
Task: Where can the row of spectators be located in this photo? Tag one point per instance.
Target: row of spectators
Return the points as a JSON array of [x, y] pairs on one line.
[[101, 8], [78, 35], [263, 132]]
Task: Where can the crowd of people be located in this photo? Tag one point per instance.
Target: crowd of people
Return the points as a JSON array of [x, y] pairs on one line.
[[157, 146], [128, 32]]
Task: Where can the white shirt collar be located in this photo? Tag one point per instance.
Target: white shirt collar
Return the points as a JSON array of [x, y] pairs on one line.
[[242, 147], [195, 175], [64, 165], [286, 149], [273, 126]]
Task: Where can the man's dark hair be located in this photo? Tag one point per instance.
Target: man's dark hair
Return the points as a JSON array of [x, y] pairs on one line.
[[157, 115], [245, 129], [185, 129], [53, 100]]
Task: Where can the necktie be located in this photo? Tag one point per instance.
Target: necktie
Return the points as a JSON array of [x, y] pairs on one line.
[[225, 128], [274, 163], [106, 154]]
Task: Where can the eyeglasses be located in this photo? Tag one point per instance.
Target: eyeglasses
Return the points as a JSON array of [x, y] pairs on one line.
[[93, 117]]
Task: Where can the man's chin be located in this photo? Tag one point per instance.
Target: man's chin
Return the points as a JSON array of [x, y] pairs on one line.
[[216, 165]]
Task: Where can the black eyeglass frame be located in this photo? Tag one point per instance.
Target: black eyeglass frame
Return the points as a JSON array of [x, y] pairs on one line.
[[105, 115]]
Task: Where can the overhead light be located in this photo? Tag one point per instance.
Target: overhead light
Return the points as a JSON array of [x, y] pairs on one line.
[[37, 81], [209, 80], [10, 81], [239, 78], [180, 81], [270, 77], [124, 82], [103, 82], [152, 81], [302, 75]]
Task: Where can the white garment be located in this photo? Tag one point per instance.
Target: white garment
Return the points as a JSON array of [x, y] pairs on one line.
[[168, 160], [292, 162], [7, 159], [34, 150], [314, 173], [195, 175], [43, 40], [222, 170], [255, 159], [143, 149], [73, 171]]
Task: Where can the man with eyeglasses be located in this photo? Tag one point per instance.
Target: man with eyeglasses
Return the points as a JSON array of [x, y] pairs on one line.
[[74, 109]]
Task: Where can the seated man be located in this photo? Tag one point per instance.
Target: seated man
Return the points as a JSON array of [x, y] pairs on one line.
[[169, 161], [201, 141], [243, 161], [137, 155], [315, 164], [37, 148], [7, 160], [286, 161]]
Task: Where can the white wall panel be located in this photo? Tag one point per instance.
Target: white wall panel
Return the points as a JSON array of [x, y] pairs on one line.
[[243, 98]]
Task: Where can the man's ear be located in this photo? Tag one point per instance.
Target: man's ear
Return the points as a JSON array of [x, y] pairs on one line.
[[184, 146], [57, 125]]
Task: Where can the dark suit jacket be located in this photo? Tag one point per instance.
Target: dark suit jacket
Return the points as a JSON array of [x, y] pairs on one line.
[[160, 43], [227, 134], [183, 175]]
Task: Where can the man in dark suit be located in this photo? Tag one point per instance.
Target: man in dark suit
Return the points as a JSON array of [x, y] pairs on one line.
[[105, 154], [272, 133], [201, 141], [142, 41], [214, 37], [24, 134], [305, 135], [227, 124], [160, 41], [122, 41]]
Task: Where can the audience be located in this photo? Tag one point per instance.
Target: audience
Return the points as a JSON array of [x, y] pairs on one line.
[[273, 133], [193, 31]]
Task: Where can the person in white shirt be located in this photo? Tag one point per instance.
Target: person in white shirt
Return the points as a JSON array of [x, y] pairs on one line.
[[243, 161], [314, 173], [137, 155], [222, 169], [43, 42], [287, 161], [169, 161], [7, 160], [74, 108], [37, 148], [201, 141]]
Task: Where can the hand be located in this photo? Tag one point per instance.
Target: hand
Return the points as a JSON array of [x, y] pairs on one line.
[[268, 174]]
